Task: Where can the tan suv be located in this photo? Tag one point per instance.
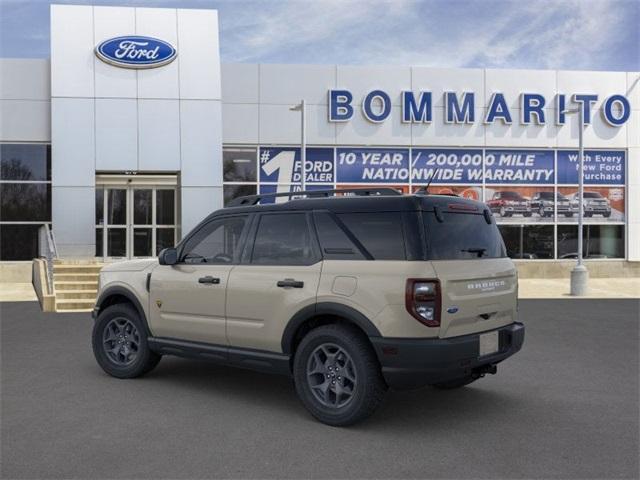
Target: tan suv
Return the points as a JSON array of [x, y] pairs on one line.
[[348, 294]]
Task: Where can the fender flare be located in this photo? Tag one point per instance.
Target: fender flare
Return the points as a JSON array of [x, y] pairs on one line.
[[325, 308], [124, 292]]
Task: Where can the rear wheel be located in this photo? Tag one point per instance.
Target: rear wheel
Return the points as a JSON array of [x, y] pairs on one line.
[[457, 383], [119, 343], [337, 375]]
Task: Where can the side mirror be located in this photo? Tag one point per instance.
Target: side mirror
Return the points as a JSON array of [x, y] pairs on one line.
[[168, 256]]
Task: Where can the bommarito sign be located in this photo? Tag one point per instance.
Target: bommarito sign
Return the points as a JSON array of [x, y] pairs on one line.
[[460, 108]]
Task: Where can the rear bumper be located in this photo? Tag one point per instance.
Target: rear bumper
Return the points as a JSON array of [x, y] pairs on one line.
[[412, 363]]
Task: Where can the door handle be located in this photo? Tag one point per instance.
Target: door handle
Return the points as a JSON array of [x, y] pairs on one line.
[[290, 282], [209, 279]]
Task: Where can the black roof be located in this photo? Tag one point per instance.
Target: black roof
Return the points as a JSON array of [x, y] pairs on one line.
[[360, 203]]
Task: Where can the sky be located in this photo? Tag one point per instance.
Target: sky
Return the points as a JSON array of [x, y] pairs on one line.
[[534, 34]]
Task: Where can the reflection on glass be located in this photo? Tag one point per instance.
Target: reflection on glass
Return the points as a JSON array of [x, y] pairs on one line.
[[117, 207], [142, 241], [598, 241], [99, 206], [528, 242], [165, 238], [116, 242], [25, 202], [234, 191], [18, 242], [239, 164], [25, 162], [165, 207], [99, 242], [142, 206]]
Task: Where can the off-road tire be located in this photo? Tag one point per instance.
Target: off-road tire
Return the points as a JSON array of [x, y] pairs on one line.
[[457, 383], [144, 361], [369, 389]]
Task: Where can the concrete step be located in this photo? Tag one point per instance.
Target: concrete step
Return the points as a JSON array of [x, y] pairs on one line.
[[77, 294], [76, 261], [66, 268], [82, 285], [74, 305], [75, 277]]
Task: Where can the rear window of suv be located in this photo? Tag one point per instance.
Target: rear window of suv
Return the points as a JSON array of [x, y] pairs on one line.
[[462, 236]]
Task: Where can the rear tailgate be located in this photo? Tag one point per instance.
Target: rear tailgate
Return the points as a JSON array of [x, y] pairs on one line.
[[477, 295]]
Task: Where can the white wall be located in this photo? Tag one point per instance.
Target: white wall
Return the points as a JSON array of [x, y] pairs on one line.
[[25, 100], [111, 119]]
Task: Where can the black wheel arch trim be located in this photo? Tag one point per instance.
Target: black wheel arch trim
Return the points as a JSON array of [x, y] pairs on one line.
[[350, 314], [124, 292]]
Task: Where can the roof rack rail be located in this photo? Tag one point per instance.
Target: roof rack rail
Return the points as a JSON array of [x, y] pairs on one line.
[[366, 192], [425, 191]]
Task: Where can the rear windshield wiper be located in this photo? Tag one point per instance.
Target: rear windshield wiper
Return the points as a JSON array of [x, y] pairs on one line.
[[478, 251]]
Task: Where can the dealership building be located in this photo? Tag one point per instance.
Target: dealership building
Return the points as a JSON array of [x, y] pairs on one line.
[[133, 131]]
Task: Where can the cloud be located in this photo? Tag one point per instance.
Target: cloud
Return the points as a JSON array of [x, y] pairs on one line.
[[544, 34]]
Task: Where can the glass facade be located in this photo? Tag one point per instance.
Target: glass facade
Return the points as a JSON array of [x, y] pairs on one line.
[[532, 192], [134, 221], [25, 198]]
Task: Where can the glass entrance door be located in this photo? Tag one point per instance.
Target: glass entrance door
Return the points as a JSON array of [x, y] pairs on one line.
[[134, 221]]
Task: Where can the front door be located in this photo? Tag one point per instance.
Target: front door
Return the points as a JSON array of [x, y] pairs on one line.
[[134, 221], [187, 300]]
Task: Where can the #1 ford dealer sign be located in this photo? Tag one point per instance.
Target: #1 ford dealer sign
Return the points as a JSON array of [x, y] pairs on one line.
[[134, 51]]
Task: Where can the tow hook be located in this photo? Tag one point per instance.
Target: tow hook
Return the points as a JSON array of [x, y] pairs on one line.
[[484, 370]]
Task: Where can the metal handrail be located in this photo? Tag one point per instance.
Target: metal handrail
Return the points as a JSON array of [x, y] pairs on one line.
[[48, 249]]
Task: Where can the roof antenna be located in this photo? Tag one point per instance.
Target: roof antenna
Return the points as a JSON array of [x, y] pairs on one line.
[[426, 189]]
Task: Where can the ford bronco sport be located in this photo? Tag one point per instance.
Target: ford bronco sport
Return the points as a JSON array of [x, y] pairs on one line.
[[348, 295]]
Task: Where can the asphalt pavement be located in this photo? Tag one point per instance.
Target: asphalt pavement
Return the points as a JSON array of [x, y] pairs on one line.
[[566, 406]]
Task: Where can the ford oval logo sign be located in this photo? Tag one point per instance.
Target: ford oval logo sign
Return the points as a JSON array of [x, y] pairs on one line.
[[134, 51]]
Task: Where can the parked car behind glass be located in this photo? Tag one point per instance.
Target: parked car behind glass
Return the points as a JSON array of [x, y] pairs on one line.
[[543, 203], [507, 203]]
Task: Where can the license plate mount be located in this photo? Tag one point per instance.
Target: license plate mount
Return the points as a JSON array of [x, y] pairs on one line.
[[489, 343]]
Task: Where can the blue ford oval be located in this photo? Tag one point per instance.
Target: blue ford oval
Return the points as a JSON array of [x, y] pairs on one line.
[[134, 51]]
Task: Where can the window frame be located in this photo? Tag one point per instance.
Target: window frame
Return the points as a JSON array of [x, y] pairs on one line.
[[247, 254], [237, 255]]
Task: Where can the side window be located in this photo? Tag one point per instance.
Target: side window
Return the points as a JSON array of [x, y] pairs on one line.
[[380, 233], [283, 239], [334, 242], [215, 243]]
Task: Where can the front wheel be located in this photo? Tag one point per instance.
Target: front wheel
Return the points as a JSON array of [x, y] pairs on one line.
[[337, 375], [119, 343]]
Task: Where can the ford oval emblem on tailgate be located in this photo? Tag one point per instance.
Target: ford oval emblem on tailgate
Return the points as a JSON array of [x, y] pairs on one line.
[[134, 51], [452, 310]]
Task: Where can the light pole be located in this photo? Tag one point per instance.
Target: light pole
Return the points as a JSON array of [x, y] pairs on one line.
[[303, 140], [580, 274]]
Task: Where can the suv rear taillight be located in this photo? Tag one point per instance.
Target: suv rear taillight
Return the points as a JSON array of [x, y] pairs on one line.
[[422, 299]]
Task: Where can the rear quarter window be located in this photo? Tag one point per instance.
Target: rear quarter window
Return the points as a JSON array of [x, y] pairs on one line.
[[462, 236], [380, 233]]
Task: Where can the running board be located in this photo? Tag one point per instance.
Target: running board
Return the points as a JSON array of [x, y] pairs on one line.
[[260, 360]]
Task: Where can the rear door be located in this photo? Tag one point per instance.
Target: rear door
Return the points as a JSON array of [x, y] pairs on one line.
[[478, 282], [278, 276]]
